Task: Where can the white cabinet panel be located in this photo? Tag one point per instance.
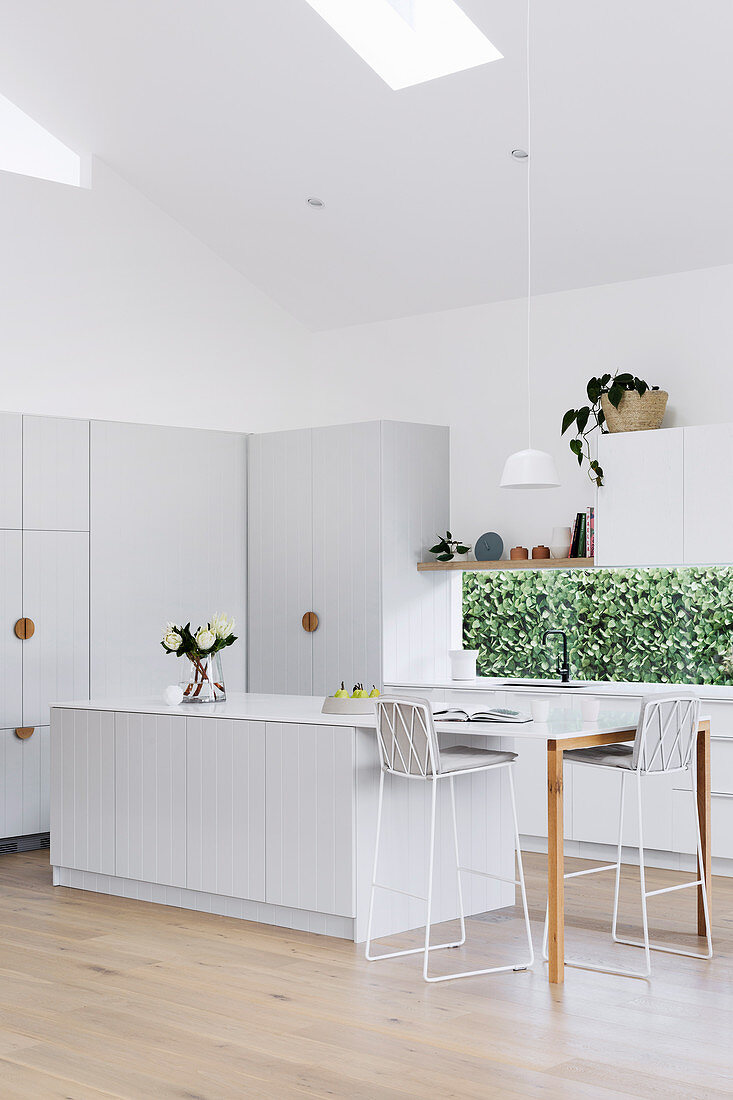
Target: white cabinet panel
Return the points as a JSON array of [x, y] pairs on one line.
[[56, 597], [640, 505], [530, 782], [55, 474], [596, 794], [721, 824], [24, 770], [11, 464], [280, 559], [150, 798], [167, 543], [346, 557], [225, 821], [708, 517], [11, 609], [83, 790], [309, 794]]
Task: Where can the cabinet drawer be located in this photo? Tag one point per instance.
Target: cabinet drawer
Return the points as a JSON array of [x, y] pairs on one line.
[[721, 809], [721, 717], [721, 768]]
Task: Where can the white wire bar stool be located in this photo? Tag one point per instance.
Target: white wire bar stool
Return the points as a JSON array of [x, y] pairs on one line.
[[664, 743], [408, 749]]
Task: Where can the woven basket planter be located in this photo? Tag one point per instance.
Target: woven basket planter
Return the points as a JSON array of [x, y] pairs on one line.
[[635, 413]]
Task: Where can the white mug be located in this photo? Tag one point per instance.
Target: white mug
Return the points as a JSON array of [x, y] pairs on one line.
[[560, 542], [540, 709]]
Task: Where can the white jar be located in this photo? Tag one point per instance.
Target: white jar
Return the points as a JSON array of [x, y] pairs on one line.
[[560, 542], [463, 664]]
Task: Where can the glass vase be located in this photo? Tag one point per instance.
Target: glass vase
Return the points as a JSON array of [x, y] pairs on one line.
[[206, 680]]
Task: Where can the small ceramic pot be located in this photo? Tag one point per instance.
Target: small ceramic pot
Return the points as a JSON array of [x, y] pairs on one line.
[[518, 553], [540, 551], [560, 542]]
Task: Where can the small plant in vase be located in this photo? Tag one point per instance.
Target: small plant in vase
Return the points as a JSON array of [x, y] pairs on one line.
[[202, 648], [447, 547]]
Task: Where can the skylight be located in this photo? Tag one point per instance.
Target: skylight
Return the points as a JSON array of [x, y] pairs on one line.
[[408, 41], [29, 150]]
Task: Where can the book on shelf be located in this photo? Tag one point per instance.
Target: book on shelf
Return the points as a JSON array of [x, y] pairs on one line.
[[494, 714], [590, 533]]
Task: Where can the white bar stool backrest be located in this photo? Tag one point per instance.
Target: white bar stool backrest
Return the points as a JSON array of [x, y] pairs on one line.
[[408, 744], [666, 733]]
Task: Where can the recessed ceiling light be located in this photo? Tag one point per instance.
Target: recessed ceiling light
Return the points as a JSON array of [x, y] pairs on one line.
[[520, 154], [318, 203], [407, 42]]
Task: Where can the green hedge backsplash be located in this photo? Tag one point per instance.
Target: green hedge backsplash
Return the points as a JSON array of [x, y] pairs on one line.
[[654, 625]]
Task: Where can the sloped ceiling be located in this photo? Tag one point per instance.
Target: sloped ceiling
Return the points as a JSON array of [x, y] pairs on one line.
[[229, 113]]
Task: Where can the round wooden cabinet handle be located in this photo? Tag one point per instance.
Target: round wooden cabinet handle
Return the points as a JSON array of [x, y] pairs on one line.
[[24, 732], [310, 621], [25, 628]]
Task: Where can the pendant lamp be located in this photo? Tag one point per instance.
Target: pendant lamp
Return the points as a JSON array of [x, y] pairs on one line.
[[530, 468]]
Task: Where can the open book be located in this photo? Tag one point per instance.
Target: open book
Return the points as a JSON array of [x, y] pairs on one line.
[[495, 714]]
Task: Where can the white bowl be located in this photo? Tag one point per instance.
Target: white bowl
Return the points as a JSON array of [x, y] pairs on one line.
[[332, 705]]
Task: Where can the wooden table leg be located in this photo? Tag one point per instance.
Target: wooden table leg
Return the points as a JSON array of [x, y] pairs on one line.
[[555, 863], [703, 809]]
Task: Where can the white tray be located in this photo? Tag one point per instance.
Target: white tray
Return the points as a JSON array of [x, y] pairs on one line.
[[332, 705]]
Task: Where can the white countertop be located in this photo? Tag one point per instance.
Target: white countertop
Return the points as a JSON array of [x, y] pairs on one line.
[[563, 723], [574, 687]]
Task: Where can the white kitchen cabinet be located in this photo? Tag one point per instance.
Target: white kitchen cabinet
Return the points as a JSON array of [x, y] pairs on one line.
[[168, 522], [56, 598], [346, 556], [11, 647], [721, 824], [83, 790], [280, 560], [225, 795], [24, 770], [11, 464], [55, 474], [708, 517], [150, 798], [640, 506], [338, 519], [309, 799]]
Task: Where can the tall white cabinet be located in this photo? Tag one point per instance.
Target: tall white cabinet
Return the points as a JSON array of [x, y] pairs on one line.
[[44, 579], [338, 519]]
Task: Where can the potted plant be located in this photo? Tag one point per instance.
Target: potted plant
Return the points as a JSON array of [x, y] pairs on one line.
[[448, 548], [622, 403]]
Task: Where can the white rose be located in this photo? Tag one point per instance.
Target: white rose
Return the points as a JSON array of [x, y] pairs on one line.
[[222, 625], [171, 639], [205, 639]]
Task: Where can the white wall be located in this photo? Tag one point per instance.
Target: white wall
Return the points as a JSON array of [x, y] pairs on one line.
[[467, 368], [110, 309]]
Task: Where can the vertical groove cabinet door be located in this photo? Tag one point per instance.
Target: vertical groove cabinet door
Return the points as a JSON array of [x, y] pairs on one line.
[[346, 556], [168, 542], [55, 474], [11, 647], [83, 790], [150, 798], [11, 464], [280, 562], [309, 834], [24, 776], [56, 597], [225, 819]]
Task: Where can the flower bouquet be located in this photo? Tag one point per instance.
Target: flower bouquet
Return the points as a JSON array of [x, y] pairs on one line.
[[202, 647]]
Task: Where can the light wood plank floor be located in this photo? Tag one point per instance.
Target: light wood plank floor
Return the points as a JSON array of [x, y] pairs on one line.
[[102, 997]]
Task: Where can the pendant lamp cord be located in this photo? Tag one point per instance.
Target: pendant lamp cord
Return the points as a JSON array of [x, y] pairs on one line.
[[529, 235]]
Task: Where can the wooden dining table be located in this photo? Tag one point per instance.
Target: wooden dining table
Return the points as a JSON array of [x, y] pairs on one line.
[[568, 730]]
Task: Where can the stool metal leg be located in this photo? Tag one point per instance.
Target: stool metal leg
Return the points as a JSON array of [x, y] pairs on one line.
[[458, 862]]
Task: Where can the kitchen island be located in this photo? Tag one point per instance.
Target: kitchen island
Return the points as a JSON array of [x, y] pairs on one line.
[[260, 807]]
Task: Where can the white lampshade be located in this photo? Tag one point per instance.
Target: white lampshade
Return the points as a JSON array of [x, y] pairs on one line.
[[529, 469]]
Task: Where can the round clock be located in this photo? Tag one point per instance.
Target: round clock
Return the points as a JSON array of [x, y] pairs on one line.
[[489, 547]]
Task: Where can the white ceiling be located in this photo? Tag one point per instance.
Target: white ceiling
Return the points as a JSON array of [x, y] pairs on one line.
[[229, 113]]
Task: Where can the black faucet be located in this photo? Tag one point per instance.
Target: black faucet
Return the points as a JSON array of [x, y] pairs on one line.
[[564, 668]]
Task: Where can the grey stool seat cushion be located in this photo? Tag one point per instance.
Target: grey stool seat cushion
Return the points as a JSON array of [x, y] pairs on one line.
[[607, 756], [461, 757]]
